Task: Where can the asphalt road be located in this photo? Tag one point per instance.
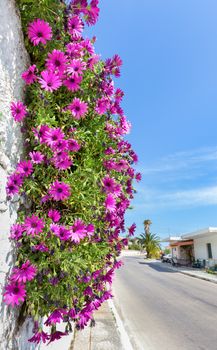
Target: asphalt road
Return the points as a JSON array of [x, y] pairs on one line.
[[165, 310]]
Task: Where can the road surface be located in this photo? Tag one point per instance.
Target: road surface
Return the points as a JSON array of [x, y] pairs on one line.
[[165, 310]]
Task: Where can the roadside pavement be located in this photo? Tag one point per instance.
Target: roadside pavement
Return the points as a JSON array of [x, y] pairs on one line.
[[193, 272], [103, 336]]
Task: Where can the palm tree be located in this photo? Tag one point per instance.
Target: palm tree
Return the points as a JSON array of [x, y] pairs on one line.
[[147, 223], [151, 243]]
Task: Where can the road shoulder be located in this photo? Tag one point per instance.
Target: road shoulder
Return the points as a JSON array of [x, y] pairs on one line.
[[103, 336]]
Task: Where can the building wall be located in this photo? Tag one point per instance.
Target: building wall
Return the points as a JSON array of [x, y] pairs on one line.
[[176, 252], [200, 246], [13, 61]]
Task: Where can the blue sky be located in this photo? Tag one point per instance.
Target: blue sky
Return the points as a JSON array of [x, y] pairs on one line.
[[169, 76]]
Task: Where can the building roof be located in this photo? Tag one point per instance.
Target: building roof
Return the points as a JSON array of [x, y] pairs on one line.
[[182, 243], [195, 234], [200, 233], [171, 239]]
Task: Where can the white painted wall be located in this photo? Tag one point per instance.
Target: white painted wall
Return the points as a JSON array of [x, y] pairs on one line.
[[200, 246], [13, 61], [175, 252]]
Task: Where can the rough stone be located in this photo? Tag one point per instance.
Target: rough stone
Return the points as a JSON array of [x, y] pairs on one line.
[[13, 61]]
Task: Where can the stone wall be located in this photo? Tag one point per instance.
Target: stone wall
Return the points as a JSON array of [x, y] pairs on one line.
[[13, 61]]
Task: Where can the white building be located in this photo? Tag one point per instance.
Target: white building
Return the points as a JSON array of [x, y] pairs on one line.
[[199, 245], [205, 243]]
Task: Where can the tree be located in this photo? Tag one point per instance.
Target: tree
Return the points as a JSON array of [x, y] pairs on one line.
[[147, 223], [151, 243]]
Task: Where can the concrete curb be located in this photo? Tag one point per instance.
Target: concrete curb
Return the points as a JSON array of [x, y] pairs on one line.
[[188, 273], [123, 334], [197, 276]]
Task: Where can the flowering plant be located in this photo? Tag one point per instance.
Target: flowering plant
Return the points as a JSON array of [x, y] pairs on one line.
[[77, 176]]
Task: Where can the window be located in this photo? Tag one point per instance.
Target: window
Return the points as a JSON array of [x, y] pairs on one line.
[[209, 250]]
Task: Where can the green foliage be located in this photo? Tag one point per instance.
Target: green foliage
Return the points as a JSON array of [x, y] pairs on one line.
[[151, 243], [167, 251], [66, 261], [135, 246]]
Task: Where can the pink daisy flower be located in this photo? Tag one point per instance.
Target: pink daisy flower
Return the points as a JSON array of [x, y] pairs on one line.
[[45, 199], [102, 105], [88, 46], [78, 108], [121, 165], [11, 188], [55, 229], [109, 184], [74, 50], [79, 227], [40, 134], [125, 125], [53, 136], [117, 190], [26, 273], [78, 231], [73, 145], [134, 156], [112, 66], [90, 230], [109, 151], [56, 61], [29, 75], [25, 167], [132, 229], [93, 61], [108, 87], [60, 146], [14, 294], [138, 177], [16, 231], [119, 94], [56, 335], [75, 26], [17, 179], [36, 157], [72, 313], [72, 83], [118, 264], [110, 203], [18, 110], [60, 191], [76, 67], [74, 236], [55, 317], [58, 155], [33, 225], [54, 215], [38, 337], [39, 31], [50, 81], [62, 163], [88, 291], [63, 233], [78, 6], [92, 12], [41, 247]]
